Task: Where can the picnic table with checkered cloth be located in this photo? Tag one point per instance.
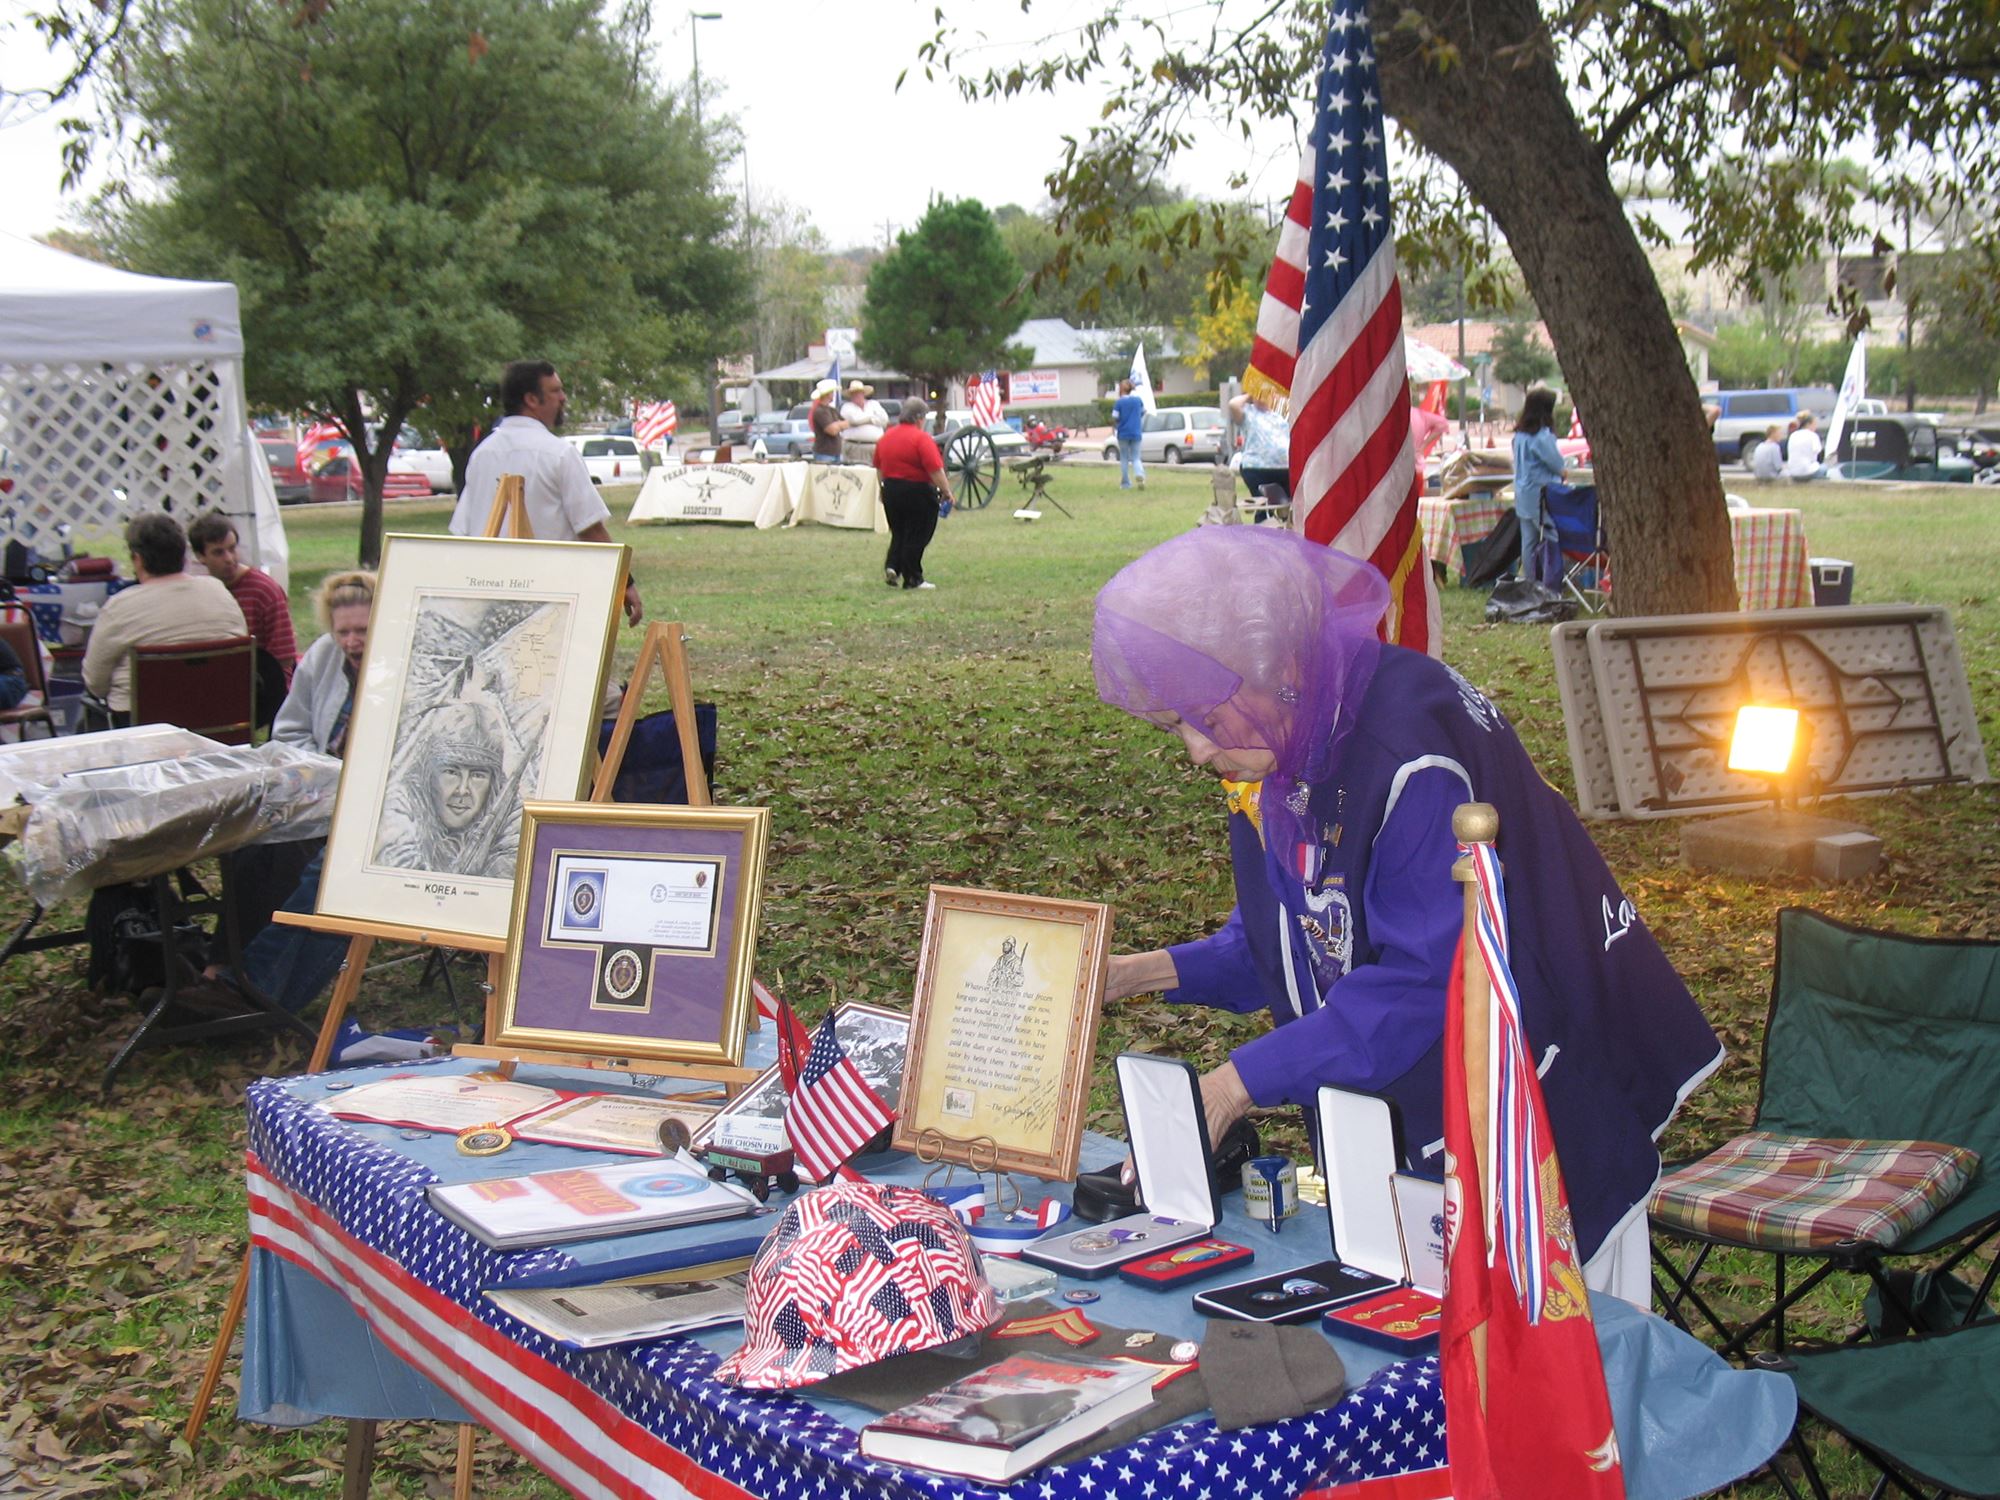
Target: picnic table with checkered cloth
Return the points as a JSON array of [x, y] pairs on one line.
[[1770, 545]]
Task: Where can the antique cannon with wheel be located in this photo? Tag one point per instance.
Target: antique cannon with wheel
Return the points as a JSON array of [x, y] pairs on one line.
[[973, 464]]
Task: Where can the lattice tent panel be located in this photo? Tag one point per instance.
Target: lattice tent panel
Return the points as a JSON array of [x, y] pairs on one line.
[[91, 445]]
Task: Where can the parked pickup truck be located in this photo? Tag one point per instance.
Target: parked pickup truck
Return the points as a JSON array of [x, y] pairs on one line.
[[610, 458]]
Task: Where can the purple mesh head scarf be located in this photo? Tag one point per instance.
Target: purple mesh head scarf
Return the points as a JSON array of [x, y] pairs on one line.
[[1275, 631]]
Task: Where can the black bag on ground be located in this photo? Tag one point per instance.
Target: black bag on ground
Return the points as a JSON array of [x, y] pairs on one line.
[[1522, 601], [653, 771], [1494, 553]]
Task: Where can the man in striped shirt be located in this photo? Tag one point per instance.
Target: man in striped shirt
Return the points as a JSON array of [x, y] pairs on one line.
[[266, 611]]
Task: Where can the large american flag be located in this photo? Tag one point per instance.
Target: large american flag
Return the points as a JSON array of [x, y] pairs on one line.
[[652, 421], [833, 1112], [1330, 335], [984, 391], [318, 435]]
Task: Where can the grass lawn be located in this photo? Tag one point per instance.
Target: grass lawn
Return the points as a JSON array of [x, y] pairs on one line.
[[900, 739]]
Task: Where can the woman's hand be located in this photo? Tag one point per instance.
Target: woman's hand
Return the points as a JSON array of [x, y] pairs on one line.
[[1224, 1101], [1140, 974]]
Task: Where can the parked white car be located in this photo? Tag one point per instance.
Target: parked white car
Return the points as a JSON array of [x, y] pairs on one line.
[[611, 459], [1174, 434], [433, 463], [1006, 441]]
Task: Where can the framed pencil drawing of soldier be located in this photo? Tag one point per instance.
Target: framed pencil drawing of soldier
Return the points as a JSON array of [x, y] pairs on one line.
[[481, 688]]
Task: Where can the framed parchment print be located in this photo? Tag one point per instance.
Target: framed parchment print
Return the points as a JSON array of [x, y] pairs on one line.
[[634, 929], [481, 688], [1009, 991]]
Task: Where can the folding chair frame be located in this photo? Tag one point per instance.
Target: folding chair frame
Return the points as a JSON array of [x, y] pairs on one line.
[[1851, 1256]]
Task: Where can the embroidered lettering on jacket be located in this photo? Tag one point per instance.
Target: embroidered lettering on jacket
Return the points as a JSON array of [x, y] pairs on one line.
[[1618, 923], [1482, 713]]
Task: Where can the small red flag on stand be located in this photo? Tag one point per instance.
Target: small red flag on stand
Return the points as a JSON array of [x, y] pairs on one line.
[[1526, 1411]]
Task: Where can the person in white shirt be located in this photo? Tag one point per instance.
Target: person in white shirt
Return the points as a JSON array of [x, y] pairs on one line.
[[168, 606], [1767, 462], [866, 420], [1802, 451], [562, 504]]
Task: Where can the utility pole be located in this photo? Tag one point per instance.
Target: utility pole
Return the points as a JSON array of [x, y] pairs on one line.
[[695, 18]]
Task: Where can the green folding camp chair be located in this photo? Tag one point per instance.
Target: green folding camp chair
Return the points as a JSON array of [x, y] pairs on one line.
[[1872, 1036], [1924, 1411]]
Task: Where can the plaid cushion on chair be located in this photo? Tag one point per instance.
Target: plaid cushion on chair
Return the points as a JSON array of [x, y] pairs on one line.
[[1788, 1193]]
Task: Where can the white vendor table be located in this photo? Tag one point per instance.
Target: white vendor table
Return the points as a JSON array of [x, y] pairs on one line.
[[763, 495]]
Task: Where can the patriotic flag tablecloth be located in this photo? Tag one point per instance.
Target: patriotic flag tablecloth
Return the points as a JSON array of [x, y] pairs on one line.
[[344, 1204]]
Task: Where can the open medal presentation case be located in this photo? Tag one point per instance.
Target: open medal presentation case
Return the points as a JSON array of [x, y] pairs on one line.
[[1384, 1220], [1161, 1097], [1357, 1132]]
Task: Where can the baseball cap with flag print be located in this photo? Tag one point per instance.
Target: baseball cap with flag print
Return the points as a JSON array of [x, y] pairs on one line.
[[855, 1273]]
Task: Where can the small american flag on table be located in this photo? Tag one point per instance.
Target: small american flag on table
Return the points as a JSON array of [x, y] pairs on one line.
[[832, 1113]]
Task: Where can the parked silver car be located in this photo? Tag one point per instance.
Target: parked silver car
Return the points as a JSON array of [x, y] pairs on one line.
[[1177, 434]]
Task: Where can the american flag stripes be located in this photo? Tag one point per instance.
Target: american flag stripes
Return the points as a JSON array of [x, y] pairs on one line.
[[653, 422], [1512, 1189], [318, 435], [984, 393], [1330, 335], [833, 1112]]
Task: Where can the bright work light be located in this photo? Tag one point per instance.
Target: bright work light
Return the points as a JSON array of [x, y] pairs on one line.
[[1764, 740]]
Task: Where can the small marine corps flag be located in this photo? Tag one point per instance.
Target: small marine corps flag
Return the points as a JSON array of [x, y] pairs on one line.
[[1526, 1412]]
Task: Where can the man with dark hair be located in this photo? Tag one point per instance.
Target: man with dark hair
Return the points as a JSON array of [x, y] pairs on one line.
[[265, 609], [562, 504], [167, 607]]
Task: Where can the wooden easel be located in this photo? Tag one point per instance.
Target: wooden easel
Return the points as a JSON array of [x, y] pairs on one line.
[[664, 645]]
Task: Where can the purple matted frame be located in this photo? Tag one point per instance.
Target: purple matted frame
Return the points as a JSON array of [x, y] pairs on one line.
[[633, 994]]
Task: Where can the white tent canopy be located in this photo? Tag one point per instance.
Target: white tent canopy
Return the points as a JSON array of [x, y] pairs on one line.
[[121, 393]]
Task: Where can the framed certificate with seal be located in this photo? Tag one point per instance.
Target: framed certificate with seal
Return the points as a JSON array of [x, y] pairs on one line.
[[633, 931], [1009, 990]]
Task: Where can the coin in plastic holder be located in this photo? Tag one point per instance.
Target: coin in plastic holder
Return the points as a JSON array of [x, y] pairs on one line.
[[674, 1135], [340, 1085], [484, 1140]]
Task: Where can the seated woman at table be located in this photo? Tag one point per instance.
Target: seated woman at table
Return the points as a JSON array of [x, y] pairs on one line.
[[1258, 649], [290, 964]]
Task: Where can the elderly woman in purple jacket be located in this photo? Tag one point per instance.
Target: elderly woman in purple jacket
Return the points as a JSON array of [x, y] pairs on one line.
[[1258, 649]]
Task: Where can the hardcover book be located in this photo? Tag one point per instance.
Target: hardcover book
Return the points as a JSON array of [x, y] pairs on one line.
[[1000, 1422], [587, 1203]]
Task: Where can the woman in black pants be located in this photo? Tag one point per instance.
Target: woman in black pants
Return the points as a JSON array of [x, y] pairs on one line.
[[913, 485]]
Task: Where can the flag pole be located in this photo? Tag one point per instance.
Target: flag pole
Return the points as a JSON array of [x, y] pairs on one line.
[[1476, 823]]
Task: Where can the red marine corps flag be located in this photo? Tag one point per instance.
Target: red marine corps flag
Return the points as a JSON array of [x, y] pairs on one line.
[[1526, 1412], [1330, 335]]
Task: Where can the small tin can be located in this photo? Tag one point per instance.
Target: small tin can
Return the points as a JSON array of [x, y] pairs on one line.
[[1270, 1189]]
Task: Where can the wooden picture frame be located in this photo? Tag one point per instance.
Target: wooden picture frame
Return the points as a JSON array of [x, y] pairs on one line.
[[633, 931], [482, 687], [1003, 1034]]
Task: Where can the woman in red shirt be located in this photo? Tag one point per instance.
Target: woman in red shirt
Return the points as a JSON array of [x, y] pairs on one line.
[[913, 483]]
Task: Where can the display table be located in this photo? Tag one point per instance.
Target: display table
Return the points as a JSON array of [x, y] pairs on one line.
[[763, 495], [48, 602], [365, 1302], [1770, 546]]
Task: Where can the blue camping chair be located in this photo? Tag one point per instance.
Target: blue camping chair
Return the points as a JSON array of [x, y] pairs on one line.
[[1582, 565]]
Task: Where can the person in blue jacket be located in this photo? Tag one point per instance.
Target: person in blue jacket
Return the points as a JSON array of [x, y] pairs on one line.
[[1258, 649], [1128, 420], [1537, 460]]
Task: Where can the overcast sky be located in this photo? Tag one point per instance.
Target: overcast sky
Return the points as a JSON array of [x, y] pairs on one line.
[[812, 85]]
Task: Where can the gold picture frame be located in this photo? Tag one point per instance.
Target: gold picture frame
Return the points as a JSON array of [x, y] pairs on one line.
[[1010, 990], [633, 932]]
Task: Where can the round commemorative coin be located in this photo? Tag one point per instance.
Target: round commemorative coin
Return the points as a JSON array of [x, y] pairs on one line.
[[674, 1135], [1185, 1352], [1081, 1297], [340, 1085], [1091, 1242], [484, 1140], [622, 973]]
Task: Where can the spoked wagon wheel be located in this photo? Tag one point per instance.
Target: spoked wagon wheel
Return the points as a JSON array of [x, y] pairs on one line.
[[974, 466]]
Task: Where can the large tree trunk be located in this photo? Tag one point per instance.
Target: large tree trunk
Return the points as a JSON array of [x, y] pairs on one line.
[[1500, 117], [374, 467]]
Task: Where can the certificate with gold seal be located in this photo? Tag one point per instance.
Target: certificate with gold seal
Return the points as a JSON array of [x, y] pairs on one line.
[[1009, 992]]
